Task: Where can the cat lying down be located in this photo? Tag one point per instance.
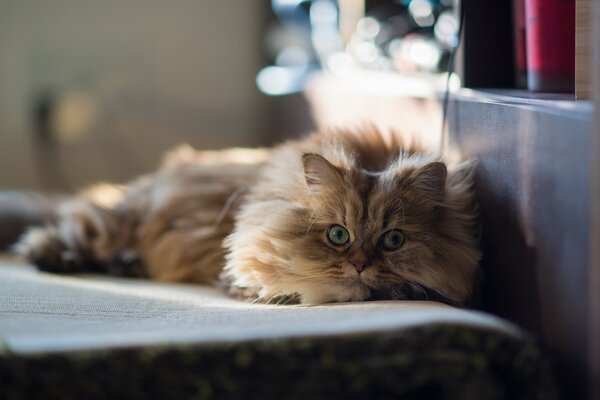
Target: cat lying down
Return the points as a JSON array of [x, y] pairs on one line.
[[337, 216]]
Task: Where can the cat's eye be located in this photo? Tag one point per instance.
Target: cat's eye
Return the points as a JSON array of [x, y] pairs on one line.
[[338, 235], [392, 240]]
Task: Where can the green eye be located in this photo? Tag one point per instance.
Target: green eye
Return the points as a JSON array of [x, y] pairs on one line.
[[338, 235], [392, 240]]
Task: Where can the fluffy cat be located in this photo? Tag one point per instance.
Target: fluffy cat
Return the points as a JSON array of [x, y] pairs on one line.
[[337, 216]]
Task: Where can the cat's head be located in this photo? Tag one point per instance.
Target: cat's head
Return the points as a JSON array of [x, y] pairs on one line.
[[406, 232]]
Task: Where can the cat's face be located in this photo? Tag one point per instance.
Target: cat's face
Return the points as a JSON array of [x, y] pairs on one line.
[[369, 235]]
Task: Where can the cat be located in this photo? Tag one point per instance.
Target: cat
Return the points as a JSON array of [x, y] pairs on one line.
[[338, 216]]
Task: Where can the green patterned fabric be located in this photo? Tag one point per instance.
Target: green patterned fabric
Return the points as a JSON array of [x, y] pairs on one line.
[[437, 361]]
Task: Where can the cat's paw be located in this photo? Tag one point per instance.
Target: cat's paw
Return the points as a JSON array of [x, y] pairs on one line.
[[49, 251], [226, 283], [253, 294]]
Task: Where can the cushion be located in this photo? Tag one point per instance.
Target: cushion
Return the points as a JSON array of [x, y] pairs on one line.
[[104, 337]]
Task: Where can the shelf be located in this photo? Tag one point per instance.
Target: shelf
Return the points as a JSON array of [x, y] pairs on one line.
[[555, 103]]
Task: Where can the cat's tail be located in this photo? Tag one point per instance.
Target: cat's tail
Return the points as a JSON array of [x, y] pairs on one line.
[[21, 210]]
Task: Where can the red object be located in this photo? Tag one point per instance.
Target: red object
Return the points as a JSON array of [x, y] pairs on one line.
[[550, 37]]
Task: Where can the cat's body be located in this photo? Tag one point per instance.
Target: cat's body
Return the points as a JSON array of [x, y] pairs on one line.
[[338, 216]]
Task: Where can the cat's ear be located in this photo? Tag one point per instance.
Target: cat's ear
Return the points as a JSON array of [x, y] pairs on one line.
[[429, 180], [318, 171]]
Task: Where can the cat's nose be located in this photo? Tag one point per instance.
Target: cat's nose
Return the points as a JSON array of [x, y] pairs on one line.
[[359, 265]]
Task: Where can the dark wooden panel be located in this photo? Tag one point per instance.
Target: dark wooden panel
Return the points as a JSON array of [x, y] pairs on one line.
[[594, 240], [533, 185]]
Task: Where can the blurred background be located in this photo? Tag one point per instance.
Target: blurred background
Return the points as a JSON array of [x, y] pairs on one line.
[[99, 90]]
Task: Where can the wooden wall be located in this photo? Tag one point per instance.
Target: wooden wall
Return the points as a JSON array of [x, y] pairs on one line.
[[533, 184], [593, 285]]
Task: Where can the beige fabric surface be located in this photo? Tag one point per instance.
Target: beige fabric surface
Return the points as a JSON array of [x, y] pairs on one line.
[[40, 312]]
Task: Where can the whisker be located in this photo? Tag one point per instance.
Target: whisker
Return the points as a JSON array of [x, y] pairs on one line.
[[311, 220]]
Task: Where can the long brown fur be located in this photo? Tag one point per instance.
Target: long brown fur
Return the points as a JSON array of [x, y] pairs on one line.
[[257, 221]]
